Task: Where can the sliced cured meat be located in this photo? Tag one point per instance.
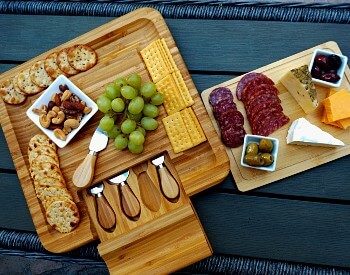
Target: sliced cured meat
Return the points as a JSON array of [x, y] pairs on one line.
[[260, 90], [233, 118], [273, 124], [250, 86], [244, 81], [220, 94], [254, 109], [223, 105], [233, 136]]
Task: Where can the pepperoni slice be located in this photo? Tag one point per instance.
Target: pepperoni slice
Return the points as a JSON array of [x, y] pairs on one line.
[[233, 136], [220, 94]]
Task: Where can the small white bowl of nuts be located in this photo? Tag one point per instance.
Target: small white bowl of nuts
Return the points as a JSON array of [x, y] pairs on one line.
[[62, 110]]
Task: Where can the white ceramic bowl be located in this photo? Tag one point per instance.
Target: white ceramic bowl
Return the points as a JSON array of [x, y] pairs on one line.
[[340, 71], [256, 139], [46, 97]]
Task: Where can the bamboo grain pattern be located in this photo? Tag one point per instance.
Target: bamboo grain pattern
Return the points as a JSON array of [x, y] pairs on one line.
[[292, 159], [117, 44]]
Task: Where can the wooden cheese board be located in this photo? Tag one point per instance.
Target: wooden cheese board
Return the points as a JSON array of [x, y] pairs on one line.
[[117, 44], [292, 159]]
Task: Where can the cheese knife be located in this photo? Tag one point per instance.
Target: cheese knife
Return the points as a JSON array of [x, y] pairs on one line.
[[168, 183], [104, 211], [84, 174]]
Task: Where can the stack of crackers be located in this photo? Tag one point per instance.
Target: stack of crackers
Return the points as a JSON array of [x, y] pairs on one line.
[[68, 61], [60, 209], [181, 124]]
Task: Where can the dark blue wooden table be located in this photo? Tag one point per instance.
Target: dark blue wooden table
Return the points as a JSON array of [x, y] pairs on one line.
[[301, 219]]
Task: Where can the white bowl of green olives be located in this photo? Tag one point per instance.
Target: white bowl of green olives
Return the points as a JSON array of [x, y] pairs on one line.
[[260, 152]]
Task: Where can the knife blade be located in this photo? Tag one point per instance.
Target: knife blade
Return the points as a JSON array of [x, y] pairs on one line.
[[84, 174]]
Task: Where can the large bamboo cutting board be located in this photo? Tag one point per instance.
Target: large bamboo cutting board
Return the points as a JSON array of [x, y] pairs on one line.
[[117, 44], [292, 159]]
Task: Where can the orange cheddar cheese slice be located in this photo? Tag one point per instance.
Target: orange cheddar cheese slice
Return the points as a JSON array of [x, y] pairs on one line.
[[324, 115], [337, 106]]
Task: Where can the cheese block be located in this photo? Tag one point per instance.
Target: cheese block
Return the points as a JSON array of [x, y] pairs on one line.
[[299, 83], [325, 118], [302, 132], [337, 106]]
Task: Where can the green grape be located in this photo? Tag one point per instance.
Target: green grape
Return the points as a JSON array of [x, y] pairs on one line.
[[103, 103], [135, 149], [121, 142], [128, 92], [106, 123], [114, 132], [136, 138], [148, 89], [118, 105], [134, 80], [157, 99], [112, 91], [121, 81], [141, 130], [128, 126], [136, 105], [136, 117], [150, 110], [149, 123]]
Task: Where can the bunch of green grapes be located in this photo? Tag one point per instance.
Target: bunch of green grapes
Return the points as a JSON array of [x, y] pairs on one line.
[[138, 105]]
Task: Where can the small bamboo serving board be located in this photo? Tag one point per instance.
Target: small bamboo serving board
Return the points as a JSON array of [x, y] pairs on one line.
[[292, 159], [117, 44]]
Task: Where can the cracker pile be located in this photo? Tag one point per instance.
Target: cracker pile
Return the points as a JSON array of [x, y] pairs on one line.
[[184, 130], [61, 211], [68, 61], [164, 72]]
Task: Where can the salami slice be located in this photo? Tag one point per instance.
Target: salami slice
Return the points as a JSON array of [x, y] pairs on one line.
[[233, 136], [233, 118], [260, 90], [250, 86], [270, 126], [260, 105], [223, 105], [244, 81], [220, 94]]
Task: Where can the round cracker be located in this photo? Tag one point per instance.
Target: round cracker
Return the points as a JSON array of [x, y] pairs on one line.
[[9, 94], [47, 193], [42, 150], [45, 159], [51, 66], [26, 84], [15, 85], [40, 140], [46, 169], [39, 76], [63, 215], [63, 64], [82, 57], [48, 181]]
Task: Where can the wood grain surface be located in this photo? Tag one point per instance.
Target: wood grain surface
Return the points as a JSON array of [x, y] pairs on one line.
[[117, 44]]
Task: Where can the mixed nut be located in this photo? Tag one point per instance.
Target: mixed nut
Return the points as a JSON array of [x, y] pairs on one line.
[[63, 113]]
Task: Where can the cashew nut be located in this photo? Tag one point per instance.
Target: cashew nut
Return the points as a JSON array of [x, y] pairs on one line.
[[71, 123], [59, 118], [66, 95], [87, 110], [56, 109], [45, 119], [60, 134]]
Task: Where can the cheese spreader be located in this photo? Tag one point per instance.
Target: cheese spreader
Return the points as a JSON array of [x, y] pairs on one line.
[[168, 183], [128, 201], [104, 212], [84, 174]]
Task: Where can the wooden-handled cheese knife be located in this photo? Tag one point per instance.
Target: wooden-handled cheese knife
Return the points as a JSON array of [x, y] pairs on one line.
[[168, 183], [84, 174], [104, 212]]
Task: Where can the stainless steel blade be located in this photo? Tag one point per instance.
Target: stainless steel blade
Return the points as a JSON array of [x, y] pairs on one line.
[[120, 178], [96, 189], [158, 161], [98, 141]]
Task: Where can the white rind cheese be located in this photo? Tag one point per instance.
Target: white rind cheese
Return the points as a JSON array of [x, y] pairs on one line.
[[299, 84], [302, 132]]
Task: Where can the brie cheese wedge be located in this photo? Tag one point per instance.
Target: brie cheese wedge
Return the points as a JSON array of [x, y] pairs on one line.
[[302, 132]]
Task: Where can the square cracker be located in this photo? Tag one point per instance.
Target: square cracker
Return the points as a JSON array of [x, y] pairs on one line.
[[154, 61], [178, 135], [165, 52], [185, 93], [173, 101], [193, 126]]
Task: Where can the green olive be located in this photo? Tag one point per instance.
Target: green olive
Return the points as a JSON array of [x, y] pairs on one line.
[[252, 148], [265, 145], [267, 159], [253, 160]]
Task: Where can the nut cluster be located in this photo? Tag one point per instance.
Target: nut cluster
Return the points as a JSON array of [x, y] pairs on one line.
[[63, 113]]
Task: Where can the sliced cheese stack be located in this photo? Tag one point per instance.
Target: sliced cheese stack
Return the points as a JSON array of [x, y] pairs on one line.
[[337, 109], [302, 132], [299, 84]]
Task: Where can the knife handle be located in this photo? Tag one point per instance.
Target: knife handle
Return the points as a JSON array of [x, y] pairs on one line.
[[105, 213], [130, 204], [84, 174], [168, 184]]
